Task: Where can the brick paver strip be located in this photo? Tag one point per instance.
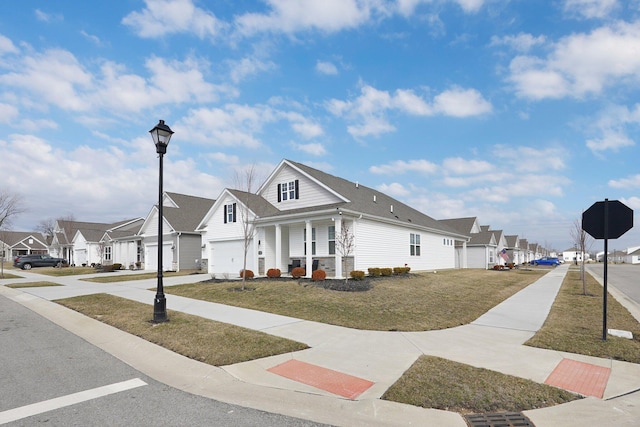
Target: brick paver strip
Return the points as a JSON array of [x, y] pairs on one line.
[[579, 377], [325, 379]]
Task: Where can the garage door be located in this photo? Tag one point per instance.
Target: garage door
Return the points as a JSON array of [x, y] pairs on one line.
[[151, 257], [227, 258]]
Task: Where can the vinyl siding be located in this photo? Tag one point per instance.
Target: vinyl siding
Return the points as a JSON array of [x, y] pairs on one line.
[[311, 194], [386, 245]]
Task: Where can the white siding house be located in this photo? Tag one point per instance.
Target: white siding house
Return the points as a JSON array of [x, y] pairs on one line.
[[299, 214]]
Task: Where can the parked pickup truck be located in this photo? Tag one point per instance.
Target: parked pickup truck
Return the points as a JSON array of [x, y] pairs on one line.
[[25, 262]]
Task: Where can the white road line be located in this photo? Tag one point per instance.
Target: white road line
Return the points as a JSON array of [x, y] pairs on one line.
[[71, 399]]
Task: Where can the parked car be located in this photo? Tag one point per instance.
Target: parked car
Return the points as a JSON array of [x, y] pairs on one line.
[[25, 262], [547, 260]]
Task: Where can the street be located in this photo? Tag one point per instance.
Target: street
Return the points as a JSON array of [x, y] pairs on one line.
[[51, 376], [624, 277]]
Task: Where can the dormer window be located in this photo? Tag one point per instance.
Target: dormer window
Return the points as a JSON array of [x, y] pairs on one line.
[[288, 191], [229, 212]]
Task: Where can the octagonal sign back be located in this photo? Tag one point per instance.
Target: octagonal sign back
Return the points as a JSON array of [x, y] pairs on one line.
[[619, 219]]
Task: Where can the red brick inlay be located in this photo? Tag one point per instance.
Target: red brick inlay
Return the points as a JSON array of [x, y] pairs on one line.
[[579, 377], [325, 379]]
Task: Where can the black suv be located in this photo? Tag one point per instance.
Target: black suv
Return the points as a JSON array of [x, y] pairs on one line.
[[25, 262]]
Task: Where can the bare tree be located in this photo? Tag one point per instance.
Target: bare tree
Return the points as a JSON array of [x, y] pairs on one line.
[[11, 205], [345, 245], [583, 243], [245, 181]]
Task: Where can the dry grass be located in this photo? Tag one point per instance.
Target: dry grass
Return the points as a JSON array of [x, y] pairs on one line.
[[32, 285], [64, 271], [201, 339], [438, 383], [574, 324], [114, 276], [418, 302]]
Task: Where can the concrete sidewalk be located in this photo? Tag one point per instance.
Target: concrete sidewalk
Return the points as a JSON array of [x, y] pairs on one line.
[[494, 341]]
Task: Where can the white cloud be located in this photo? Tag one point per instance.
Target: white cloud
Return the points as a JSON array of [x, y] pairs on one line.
[[460, 166], [241, 125], [7, 46], [399, 167], [325, 67], [522, 42], [407, 7], [162, 17], [580, 64], [590, 8], [245, 67], [631, 182], [369, 109], [315, 149], [54, 77], [530, 159], [394, 189], [47, 17], [290, 16], [612, 128], [458, 102]]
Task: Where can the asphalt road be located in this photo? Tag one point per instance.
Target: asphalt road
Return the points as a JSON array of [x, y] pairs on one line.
[[624, 277], [50, 376]]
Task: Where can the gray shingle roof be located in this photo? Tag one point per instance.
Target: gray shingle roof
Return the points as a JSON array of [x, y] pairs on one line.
[[188, 214], [365, 200]]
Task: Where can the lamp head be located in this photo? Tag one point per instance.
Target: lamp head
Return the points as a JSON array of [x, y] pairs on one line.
[[161, 135]]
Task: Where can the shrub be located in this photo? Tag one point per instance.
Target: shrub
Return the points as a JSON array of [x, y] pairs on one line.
[[298, 272], [247, 274], [273, 273], [374, 272], [401, 270], [107, 268], [318, 275], [117, 266], [357, 275], [386, 271]]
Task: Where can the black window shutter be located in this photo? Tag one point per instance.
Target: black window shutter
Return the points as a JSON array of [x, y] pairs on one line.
[[234, 212], [279, 192], [224, 213], [297, 190]]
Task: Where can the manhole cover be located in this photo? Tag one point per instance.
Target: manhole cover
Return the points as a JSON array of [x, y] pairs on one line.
[[507, 419]]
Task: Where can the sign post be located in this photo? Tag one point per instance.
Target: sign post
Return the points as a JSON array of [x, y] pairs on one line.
[[607, 220]]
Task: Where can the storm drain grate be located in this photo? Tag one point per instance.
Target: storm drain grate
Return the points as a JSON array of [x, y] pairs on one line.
[[507, 419]]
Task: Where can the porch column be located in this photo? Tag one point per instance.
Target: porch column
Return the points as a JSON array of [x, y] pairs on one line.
[[278, 260], [338, 225], [308, 246]]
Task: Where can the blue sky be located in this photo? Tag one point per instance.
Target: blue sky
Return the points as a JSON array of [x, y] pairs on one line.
[[522, 113]]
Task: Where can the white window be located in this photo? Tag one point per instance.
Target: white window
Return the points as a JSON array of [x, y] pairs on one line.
[[313, 241], [229, 212], [414, 244], [332, 240], [288, 191], [107, 253]]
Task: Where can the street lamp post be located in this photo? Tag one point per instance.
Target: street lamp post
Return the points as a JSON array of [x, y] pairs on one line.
[[161, 135]]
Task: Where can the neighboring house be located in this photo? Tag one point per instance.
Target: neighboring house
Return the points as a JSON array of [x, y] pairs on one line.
[[513, 250], [633, 255], [502, 256], [482, 250], [14, 243], [181, 243], [574, 255], [467, 226], [126, 244], [93, 242], [298, 214]]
